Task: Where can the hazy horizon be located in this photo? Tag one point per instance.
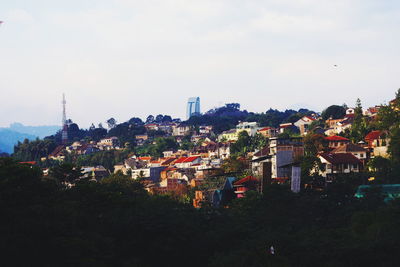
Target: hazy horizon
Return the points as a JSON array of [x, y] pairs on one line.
[[130, 58]]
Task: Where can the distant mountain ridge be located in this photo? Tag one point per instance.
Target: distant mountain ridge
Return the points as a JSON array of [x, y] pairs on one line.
[[18, 132], [10, 138], [39, 131]]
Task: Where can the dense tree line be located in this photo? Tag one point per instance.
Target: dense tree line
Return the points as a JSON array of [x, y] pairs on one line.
[[228, 116], [116, 223]]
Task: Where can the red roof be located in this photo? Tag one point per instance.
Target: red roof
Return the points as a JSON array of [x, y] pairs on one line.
[[340, 158], [336, 138], [168, 161], [262, 152], [373, 135], [181, 160], [186, 159], [246, 179], [310, 118], [191, 159], [285, 125], [57, 151], [265, 129], [28, 162], [373, 110]]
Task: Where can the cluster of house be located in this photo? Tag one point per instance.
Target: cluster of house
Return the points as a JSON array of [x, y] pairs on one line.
[[177, 130], [84, 148], [252, 128], [278, 162], [179, 167], [301, 126]]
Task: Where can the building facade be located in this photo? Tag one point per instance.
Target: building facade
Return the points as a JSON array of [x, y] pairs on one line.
[[193, 107]]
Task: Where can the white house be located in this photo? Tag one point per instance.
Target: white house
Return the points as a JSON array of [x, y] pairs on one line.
[[304, 123], [250, 127], [339, 163]]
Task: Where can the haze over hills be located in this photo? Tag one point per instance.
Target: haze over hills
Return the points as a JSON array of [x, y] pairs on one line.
[[18, 132], [39, 131]]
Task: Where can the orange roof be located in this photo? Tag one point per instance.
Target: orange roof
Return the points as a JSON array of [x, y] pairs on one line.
[[144, 158], [336, 138]]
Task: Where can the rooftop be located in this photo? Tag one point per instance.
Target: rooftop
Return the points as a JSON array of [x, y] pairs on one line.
[[340, 158]]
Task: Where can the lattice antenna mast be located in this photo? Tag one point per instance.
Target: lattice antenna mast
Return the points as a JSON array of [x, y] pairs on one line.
[[64, 133], [64, 116]]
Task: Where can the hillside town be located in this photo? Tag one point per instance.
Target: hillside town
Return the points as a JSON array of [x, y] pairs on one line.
[[197, 163]]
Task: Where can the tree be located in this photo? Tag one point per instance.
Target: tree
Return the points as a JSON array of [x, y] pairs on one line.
[[150, 119], [382, 168], [111, 123], [167, 118], [235, 106], [97, 133], [394, 145], [135, 121], [234, 165], [159, 118], [65, 173], [334, 112], [313, 144], [242, 145], [359, 126]]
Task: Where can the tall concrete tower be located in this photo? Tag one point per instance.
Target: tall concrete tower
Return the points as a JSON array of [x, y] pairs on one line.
[[193, 107], [64, 131]]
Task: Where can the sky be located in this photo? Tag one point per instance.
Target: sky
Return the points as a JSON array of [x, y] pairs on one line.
[[130, 58]]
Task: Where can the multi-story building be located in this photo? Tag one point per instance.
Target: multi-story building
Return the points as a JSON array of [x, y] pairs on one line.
[[181, 130], [268, 132], [250, 127], [193, 107], [108, 143], [283, 153]]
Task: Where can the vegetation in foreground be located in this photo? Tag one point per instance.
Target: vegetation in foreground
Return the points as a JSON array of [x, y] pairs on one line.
[[116, 223]]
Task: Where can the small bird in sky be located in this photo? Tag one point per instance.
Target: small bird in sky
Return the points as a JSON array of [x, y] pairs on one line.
[[335, 65]]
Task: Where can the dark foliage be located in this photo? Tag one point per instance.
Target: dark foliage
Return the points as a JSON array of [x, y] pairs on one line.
[[116, 223], [228, 116], [334, 112]]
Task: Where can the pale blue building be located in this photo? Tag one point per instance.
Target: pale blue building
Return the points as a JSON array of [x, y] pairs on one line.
[[193, 107]]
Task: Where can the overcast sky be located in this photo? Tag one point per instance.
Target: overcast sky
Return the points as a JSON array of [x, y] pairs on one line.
[[126, 58]]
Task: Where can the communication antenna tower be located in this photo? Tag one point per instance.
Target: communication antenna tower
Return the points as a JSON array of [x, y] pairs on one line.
[[64, 132]]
